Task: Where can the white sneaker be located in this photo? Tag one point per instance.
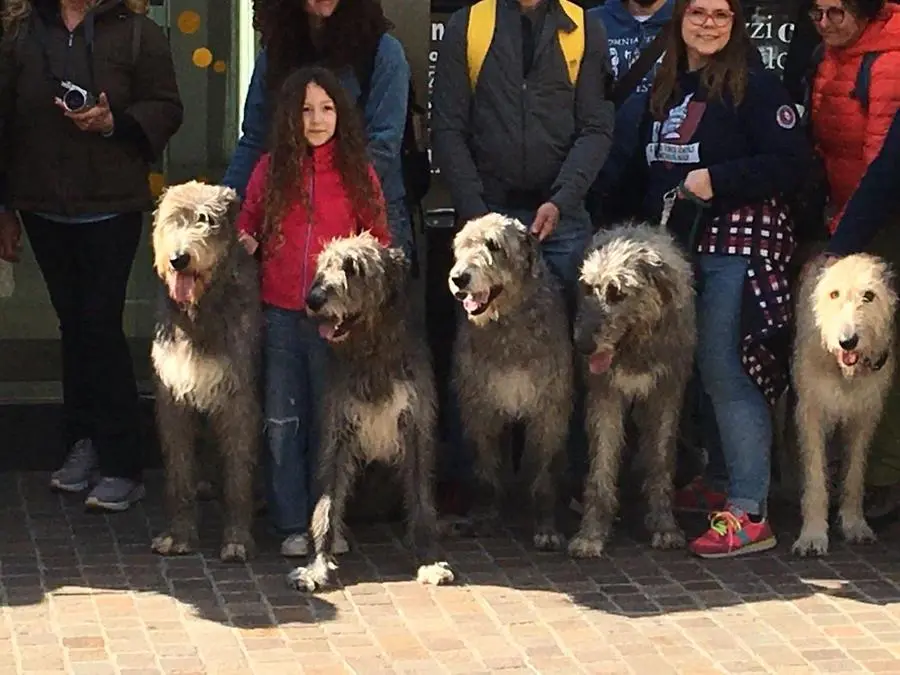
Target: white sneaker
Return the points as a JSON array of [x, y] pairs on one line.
[[295, 546]]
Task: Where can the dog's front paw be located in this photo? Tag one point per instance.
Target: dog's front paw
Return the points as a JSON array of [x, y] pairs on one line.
[[857, 531], [586, 547], [667, 540], [436, 574], [172, 543], [238, 546], [811, 542], [312, 578], [549, 540]]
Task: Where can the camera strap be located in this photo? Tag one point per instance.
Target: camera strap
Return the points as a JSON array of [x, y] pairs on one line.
[[40, 31]]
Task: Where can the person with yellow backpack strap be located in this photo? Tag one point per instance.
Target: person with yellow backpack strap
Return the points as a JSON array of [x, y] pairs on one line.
[[520, 120], [521, 125]]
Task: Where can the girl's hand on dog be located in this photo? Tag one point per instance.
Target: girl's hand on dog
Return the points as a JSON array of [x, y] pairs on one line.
[[249, 243], [699, 184]]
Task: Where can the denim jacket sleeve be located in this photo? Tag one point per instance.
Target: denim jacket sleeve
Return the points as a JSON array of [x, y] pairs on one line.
[[254, 130], [385, 111]]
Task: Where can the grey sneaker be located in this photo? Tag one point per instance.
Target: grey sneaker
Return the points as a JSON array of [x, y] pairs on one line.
[[295, 546], [115, 494], [76, 472]]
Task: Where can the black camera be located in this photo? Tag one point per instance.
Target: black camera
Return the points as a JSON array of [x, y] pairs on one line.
[[75, 98]]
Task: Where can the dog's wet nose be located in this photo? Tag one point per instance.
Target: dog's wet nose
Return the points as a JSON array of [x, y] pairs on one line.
[[180, 262], [849, 343], [462, 279], [584, 343], [315, 299]]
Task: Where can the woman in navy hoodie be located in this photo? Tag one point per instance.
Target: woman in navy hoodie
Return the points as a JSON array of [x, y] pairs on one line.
[[351, 38], [721, 133]]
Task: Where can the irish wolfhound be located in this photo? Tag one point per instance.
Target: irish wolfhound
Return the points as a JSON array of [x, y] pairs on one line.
[[842, 370], [636, 331], [380, 399], [513, 362], [205, 355]]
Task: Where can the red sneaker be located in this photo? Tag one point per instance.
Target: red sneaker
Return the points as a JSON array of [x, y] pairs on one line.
[[732, 533], [698, 497]]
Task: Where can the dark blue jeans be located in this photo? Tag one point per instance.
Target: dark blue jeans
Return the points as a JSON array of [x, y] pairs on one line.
[[294, 366]]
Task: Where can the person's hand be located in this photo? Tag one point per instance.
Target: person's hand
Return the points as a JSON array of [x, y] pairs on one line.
[[545, 220], [699, 184], [249, 243], [10, 236], [98, 119]]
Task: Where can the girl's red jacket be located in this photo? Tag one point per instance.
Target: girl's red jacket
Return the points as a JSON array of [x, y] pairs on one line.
[[289, 261]]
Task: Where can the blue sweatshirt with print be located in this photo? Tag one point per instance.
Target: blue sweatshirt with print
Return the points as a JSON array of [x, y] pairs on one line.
[[753, 151], [627, 36], [384, 116]]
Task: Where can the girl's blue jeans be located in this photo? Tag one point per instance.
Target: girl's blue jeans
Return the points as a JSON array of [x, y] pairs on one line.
[[294, 378], [742, 414]]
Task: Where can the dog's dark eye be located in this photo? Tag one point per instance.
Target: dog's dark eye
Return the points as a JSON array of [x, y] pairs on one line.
[[352, 269], [492, 245], [614, 294], [868, 296], [834, 295]]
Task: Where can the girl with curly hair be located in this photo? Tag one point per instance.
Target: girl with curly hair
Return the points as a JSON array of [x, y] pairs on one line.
[[351, 38], [317, 184]]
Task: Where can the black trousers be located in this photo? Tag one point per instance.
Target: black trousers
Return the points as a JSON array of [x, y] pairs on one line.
[[86, 268]]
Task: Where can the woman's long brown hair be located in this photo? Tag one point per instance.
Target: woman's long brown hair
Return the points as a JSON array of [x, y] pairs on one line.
[[291, 156], [726, 69]]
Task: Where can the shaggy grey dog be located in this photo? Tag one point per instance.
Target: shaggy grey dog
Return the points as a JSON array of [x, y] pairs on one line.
[[380, 399], [842, 370], [636, 331], [205, 358], [513, 362]]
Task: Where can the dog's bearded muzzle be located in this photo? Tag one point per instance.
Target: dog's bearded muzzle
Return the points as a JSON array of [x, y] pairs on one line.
[[332, 327], [851, 356], [474, 302], [598, 352]]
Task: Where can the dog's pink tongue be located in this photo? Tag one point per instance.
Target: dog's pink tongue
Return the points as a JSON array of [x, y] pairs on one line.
[[849, 358], [474, 301], [601, 361], [181, 287], [326, 330]]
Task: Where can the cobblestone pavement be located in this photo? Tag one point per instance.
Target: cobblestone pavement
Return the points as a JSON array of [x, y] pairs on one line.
[[83, 595]]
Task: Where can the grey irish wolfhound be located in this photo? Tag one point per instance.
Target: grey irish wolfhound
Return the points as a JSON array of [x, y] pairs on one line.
[[380, 398], [205, 355], [513, 362], [842, 370], [636, 331]]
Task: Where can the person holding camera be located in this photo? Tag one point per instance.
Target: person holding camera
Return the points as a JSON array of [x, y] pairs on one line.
[[88, 101]]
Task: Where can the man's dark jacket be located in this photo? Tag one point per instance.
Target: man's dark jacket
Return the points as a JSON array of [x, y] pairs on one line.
[[520, 138]]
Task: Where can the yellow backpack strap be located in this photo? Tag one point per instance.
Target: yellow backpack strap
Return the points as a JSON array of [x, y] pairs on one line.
[[479, 34], [572, 43]]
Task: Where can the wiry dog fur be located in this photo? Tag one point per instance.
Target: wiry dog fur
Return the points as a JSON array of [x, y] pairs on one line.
[[842, 370], [513, 362], [205, 355], [380, 399], [636, 331]]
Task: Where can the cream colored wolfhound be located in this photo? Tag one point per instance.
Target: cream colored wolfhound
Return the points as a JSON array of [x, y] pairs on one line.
[[842, 369]]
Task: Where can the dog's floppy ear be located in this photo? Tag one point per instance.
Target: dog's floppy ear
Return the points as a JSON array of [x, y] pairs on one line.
[[532, 252], [656, 272], [396, 269]]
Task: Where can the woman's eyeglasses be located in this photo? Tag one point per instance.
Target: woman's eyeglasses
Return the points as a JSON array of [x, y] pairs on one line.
[[720, 18], [833, 14]]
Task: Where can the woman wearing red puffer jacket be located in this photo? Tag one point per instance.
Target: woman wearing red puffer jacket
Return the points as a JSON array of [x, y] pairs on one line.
[[316, 185]]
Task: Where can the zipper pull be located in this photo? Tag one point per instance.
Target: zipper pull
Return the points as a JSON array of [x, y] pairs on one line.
[[70, 39]]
